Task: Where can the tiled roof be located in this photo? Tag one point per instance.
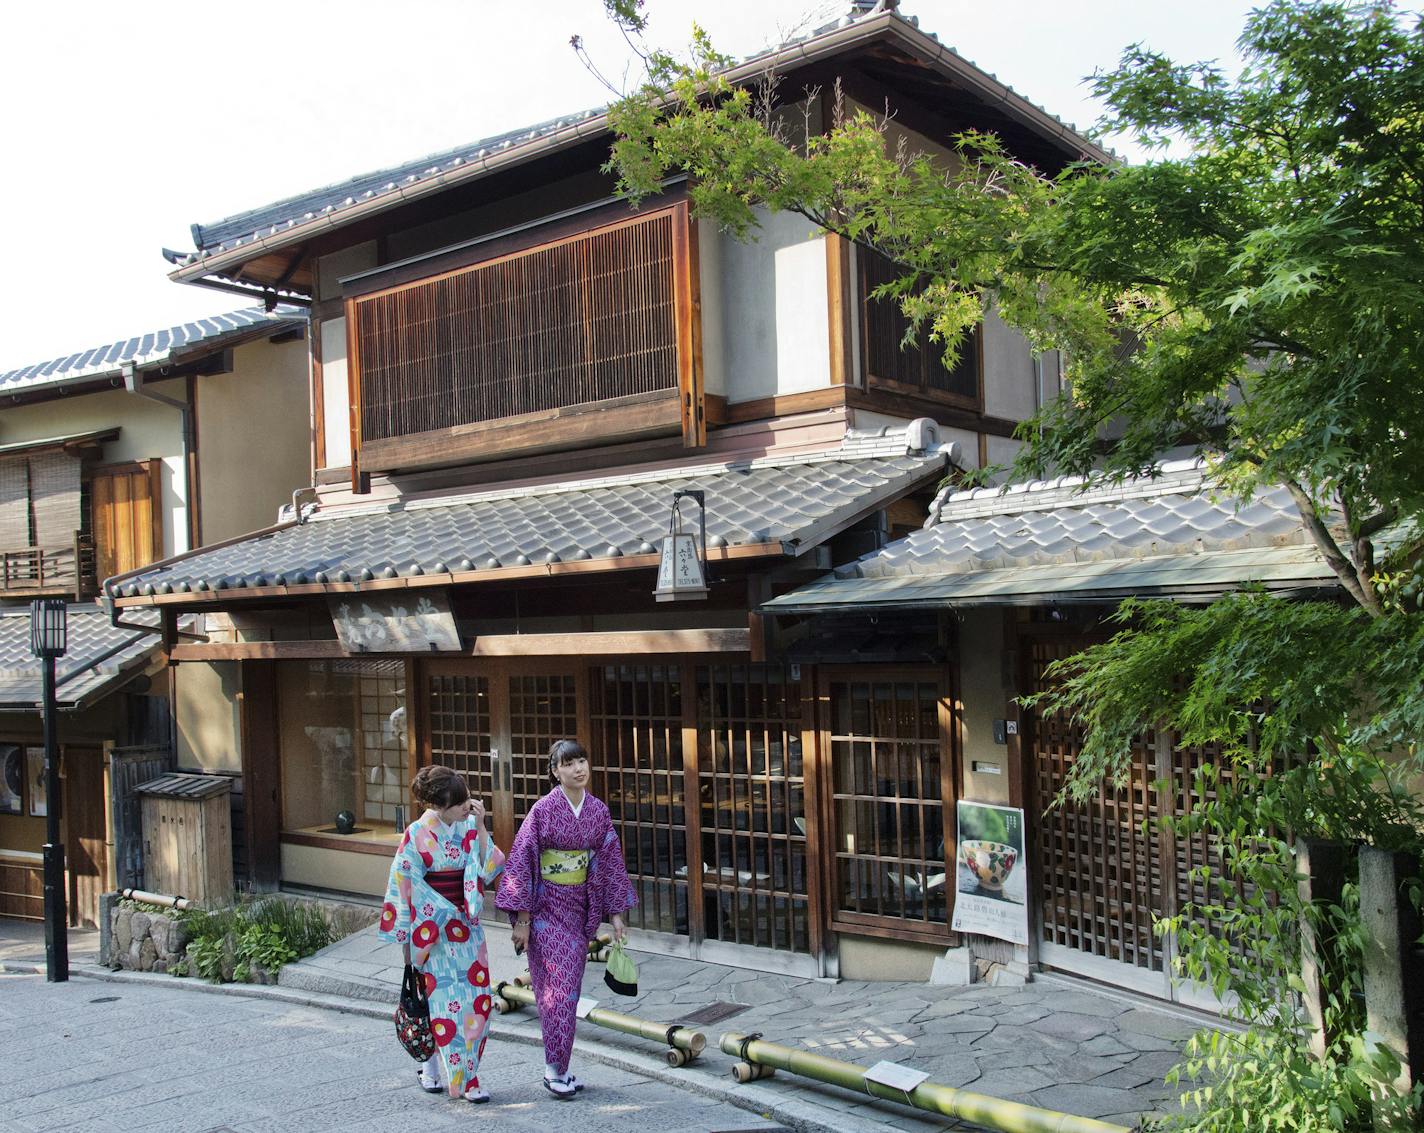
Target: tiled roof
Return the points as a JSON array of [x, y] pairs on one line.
[[327, 204], [783, 506], [1054, 540], [152, 349], [100, 656], [1055, 521]]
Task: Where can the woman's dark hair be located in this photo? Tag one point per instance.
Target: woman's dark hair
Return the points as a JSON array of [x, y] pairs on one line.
[[565, 751], [439, 787]]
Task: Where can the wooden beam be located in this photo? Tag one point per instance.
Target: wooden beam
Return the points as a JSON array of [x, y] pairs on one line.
[[641, 642], [839, 309], [677, 641], [638, 415]]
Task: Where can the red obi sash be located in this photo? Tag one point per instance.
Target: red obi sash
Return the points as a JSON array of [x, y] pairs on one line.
[[449, 883]]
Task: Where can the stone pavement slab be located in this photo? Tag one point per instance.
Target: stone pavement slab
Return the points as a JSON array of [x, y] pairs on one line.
[[1053, 1043]]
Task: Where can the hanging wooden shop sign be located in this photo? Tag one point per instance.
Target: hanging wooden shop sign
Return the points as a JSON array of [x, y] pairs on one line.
[[395, 623]]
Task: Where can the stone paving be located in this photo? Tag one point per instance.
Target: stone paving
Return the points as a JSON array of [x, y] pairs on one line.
[[1063, 1045], [1060, 1044], [88, 1057]]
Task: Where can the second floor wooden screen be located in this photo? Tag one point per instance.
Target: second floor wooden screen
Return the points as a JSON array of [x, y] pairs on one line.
[[918, 368], [596, 317], [126, 522], [39, 501]]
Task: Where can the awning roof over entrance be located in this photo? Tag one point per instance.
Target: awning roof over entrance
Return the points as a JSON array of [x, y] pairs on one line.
[[100, 657], [1055, 542], [781, 506]]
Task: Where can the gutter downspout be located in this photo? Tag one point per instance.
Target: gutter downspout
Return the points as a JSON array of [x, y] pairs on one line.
[[133, 382]]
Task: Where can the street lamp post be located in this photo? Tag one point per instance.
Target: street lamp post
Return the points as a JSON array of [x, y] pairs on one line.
[[48, 638]]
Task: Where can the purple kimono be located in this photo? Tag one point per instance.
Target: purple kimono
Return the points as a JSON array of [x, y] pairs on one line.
[[563, 918]]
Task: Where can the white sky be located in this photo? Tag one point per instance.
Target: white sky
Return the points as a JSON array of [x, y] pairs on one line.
[[125, 123]]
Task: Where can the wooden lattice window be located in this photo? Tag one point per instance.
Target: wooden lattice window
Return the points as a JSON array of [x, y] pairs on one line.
[[543, 707], [919, 367], [889, 738], [459, 707], [752, 790], [444, 367], [1100, 861], [636, 712]]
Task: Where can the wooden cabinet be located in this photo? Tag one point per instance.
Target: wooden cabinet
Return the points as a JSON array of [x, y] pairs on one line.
[[187, 837]]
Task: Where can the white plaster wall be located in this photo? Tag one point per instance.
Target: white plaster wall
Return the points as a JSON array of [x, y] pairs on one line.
[[986, 698], [335, 397], [254, 437], [1003, 450], [206, 705], [772, 292], [710, 266], [1008, 371], [148, 429], [348, 261]]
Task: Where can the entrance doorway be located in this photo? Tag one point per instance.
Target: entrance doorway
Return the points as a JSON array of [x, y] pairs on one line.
[[889, 733], [85, 850], [702, 770], [495, 726]]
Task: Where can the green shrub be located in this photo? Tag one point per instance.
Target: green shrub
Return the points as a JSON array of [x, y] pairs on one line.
[[259, 933]]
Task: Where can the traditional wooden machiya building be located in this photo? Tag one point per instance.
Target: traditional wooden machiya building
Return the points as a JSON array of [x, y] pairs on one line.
[[113, 458], [517, 381]]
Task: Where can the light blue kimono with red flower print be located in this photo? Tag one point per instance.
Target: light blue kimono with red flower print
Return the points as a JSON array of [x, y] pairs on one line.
[[446, 941]]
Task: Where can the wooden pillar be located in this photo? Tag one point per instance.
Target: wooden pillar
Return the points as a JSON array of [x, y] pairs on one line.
[[261, 773], [1394, 973], [1321, 866]]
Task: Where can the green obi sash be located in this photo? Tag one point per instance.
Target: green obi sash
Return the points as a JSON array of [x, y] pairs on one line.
[[564, 867]]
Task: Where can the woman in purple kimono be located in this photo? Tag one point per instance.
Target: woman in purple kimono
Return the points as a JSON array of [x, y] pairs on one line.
[[564, 877]]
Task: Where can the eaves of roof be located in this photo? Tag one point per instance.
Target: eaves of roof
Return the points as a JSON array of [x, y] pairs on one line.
[[100, 658], [1190, 578], [72, 440], [755, 509], [418, 180], [171, 346]]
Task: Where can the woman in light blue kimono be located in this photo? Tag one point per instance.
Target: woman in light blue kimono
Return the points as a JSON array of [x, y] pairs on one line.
[[432, 909]]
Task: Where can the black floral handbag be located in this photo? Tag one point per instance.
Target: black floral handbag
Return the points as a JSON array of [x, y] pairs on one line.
[[413, 1016]]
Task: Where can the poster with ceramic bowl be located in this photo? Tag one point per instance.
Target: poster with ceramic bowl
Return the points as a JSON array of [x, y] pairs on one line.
[[991, 877]]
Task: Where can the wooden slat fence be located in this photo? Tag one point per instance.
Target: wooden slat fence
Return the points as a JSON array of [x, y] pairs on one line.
[[128, 767]]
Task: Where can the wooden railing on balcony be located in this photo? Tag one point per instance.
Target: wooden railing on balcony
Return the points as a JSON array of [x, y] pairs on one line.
[[592, 335], [37, 571]]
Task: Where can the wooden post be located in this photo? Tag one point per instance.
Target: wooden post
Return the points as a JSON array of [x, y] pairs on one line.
[[1321, 866], [1394, 973]]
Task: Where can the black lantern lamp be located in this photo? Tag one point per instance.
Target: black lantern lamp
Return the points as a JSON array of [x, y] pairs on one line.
[[49, 637]]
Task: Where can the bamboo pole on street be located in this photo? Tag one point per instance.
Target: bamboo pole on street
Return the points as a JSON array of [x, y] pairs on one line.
[[990, 1112], [683, 1043]]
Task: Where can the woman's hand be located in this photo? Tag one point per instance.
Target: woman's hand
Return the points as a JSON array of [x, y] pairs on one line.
[[519, 934], [620, 929], [477, 812]]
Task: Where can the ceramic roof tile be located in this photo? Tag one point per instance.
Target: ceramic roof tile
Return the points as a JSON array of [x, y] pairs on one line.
[[795, 502], [149, 349], [99, 656]]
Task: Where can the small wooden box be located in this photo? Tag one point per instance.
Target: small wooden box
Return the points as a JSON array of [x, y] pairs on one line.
[[187, 837]]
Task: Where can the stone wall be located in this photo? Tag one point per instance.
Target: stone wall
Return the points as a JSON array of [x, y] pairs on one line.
[[143, 939]]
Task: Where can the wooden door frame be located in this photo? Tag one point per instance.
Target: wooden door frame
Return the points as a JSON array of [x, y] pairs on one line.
[[69, 755], [862, 924], [497, 672], [259, 742]]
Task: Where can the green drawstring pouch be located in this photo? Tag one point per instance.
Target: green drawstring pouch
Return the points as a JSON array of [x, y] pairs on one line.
[[622, 973]]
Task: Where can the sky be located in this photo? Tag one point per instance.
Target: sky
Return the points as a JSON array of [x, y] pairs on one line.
[[123, 124]]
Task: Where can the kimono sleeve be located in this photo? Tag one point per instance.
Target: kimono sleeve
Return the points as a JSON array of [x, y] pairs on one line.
[[518, 887], [611, 893], [481, 870], [413, 912]]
